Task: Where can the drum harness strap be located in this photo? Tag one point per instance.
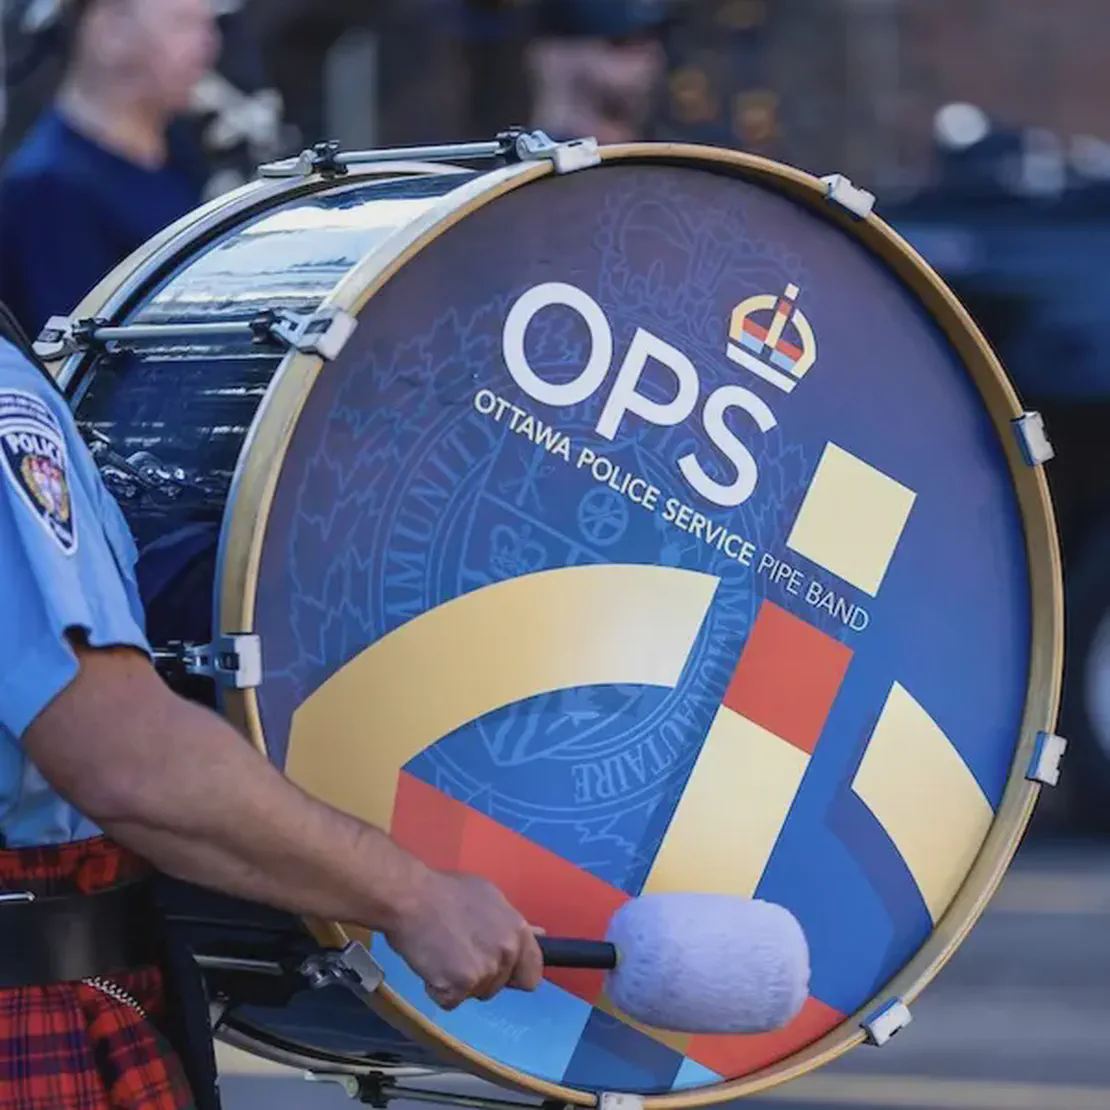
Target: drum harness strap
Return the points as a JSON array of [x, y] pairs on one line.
[[96, 937], [67, 937]]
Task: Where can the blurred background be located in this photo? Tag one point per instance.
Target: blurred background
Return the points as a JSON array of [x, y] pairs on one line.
[[983, 128]]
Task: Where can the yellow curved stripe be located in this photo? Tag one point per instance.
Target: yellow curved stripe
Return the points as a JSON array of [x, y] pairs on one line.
[[920, 790], [729, 817], [577, 626]]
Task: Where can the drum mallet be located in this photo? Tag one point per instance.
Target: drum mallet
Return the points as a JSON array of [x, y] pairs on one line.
[[697, 963]]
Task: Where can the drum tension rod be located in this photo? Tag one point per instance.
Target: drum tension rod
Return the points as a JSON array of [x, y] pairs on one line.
[[514, 145], [324, 332], [378, 1090]]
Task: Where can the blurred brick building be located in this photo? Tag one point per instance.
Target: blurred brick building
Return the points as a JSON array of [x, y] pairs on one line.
[[830, 85], [1027, 63], [854, 85]]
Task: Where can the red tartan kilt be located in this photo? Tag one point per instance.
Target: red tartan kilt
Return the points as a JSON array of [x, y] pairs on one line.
[[72, 1046]]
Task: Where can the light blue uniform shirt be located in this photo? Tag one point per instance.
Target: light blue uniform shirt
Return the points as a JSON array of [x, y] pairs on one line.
[[67, 562]]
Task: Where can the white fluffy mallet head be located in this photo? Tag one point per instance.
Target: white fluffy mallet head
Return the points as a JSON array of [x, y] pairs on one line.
[[708, 963]]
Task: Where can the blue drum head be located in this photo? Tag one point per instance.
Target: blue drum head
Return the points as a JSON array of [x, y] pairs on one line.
[[658, 529]]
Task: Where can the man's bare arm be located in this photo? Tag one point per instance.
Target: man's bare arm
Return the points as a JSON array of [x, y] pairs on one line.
[[176, 784]]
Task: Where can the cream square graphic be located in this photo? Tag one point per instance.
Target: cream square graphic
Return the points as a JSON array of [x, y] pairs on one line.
[[851, 519]]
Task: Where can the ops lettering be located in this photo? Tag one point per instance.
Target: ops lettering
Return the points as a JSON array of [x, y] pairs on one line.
[[625, 399]]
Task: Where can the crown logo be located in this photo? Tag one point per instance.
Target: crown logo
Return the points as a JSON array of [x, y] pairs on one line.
[[778, 355]]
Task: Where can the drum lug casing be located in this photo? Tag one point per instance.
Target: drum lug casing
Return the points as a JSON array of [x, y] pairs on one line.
[[886, 1021], [234, 661], [566, 157], [353, 967], [611, 1100], [840, 190], [324, 333], [1044, 764], [1033, 440]]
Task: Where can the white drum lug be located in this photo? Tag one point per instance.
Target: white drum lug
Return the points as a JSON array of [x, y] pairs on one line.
[[1036, 448], [859, 202], [611, 1100], [566, 157], [1044, 765], [234, 661], [324, 333], [886, 1021], [353, 968]]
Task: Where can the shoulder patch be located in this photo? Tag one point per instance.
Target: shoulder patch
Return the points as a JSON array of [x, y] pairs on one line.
[[34, 461]]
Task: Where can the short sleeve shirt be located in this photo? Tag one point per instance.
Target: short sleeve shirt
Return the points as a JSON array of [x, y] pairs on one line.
[[67, 564]]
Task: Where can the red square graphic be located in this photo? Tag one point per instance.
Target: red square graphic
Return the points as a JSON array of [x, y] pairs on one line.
[[428, 823], [788, 676]]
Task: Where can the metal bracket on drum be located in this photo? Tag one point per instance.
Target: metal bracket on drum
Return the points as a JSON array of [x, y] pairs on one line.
[[324, 333], [886, 1021], [611, 1101], [514, 145], [353, 967], [234, 661], [1044, 765], [1033, 439], [567, 157], [859, 202]]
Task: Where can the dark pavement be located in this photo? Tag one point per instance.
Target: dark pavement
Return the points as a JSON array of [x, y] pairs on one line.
[[1018, 1020]]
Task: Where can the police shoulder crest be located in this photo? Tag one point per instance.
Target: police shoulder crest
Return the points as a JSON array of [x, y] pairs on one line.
[[35, 462]]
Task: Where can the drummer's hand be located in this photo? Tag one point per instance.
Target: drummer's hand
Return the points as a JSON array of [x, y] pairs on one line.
[[465, 940]]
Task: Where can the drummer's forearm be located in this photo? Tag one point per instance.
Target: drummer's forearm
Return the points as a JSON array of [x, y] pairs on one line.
[[174, 783], [279, 874], [243, 829]]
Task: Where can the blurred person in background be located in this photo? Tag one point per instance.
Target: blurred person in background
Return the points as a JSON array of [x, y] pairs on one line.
[[597, 67], [98, 174]]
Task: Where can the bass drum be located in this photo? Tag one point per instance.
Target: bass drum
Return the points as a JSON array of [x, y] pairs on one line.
[[662, 524]]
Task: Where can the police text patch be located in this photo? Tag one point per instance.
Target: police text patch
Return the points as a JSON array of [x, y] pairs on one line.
[[34, 461]]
